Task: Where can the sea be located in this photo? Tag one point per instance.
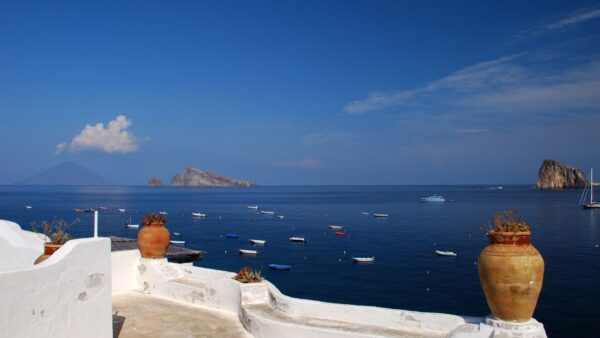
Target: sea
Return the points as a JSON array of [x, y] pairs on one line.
[[406, 274]]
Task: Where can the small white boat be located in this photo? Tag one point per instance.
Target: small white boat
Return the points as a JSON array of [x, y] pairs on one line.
[[336, 227], [177, 242], [365, 213], [28, 207], [130, 225], [364, 259], [252, 207], [163, 212], [176, 233], [267, 212], [381, 215], [445, 253], [248, 252], [121, 210], [198, 214], [298, 239], [258, 241], [281, 217], [433, 198]]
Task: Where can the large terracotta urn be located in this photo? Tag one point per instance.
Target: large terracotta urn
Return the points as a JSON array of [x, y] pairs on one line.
[[511, 272], [153, 240], [49, 249]]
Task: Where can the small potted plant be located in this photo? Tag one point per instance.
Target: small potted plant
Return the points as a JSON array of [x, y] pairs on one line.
[[55, 236], [247, 275], [153, 239], [511, 270]]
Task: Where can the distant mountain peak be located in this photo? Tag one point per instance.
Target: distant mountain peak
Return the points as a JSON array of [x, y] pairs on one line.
[[66, 173]]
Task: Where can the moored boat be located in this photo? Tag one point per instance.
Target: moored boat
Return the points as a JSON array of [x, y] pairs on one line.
[[381, 215], [280, 267], [176, 242], [445, 253], [340, 233], [163, 212], [176, 233], [280, 216], [258, 241], [267, 212], [121, 210], [130, 225], [335, 227], [298, 239], [592, 204], [248, 252], [365, 213], [198, 214], [363, 259], [252, 207], [78, 210], [28, 207]]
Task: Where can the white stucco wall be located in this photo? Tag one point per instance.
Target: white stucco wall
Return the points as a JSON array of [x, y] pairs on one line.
[[20, 248], [68, 295]]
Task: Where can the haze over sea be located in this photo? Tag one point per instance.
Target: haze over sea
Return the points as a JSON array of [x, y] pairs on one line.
[[406, 275]]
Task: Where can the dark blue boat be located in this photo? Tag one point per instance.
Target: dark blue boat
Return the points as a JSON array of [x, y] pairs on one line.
[[280, 267], [232, 236]]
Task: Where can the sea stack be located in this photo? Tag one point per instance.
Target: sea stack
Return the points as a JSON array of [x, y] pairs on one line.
[[155, 182], [556, 175], [193, 177]]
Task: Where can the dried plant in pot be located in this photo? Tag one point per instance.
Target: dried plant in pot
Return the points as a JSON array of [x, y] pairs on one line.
[[247, 275], [511, 270], [55, 236], [153, 239]]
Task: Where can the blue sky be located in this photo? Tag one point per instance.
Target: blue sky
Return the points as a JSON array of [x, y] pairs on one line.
[[300, 92]]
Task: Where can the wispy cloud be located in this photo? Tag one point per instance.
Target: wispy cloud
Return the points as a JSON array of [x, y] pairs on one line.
[[320, 138], [574, 18], [308, 163], [470, 130], [486, 74], [114, 138]]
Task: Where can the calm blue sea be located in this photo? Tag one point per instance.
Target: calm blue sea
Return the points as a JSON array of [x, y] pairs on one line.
[[406, 275]]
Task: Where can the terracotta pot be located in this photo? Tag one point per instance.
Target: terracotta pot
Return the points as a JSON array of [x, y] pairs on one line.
[[49, 249], [511, 272], [153, 241]]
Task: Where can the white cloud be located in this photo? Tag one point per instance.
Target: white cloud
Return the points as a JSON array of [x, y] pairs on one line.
[[114, 138], [566, 22]]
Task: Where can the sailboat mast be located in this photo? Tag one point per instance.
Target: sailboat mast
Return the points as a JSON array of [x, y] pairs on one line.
[[591, 185]]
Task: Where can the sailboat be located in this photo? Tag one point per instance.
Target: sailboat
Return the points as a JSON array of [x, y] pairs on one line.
[[592, 204]]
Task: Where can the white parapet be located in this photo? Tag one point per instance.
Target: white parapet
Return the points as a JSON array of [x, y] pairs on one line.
[[67, 295], [266, 312]]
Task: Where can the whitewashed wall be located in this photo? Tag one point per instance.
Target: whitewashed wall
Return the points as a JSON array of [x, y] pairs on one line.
[[18, 248]]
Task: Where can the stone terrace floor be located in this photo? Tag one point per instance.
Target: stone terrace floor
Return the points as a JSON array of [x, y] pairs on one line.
[[140, 315]]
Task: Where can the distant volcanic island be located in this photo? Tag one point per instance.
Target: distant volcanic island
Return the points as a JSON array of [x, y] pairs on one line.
[[555, 175], [193, 177]]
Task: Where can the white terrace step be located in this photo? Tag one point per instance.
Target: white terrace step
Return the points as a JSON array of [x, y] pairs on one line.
[[270, 316]]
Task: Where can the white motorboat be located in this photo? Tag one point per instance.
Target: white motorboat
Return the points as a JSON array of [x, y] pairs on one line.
[[248, 252], [336, 227], [258, 241], [252, 207], [267, 212], [365, 213], [163, 212], [381, 215], [28, 207], [433, 198], [280, 216], [198, 214], [298, 239], [176, 233], [363, 259], [121, 210], [177, 242], [445, 253]]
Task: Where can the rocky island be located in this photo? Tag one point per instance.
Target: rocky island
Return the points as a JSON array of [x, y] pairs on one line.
[[155, 182], [556, 175], [193, 177]]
